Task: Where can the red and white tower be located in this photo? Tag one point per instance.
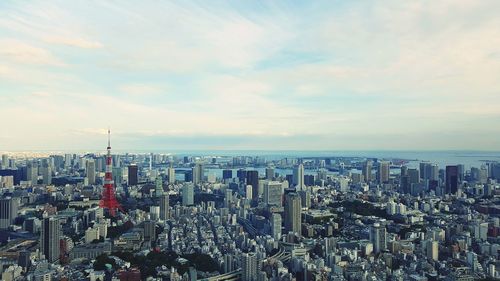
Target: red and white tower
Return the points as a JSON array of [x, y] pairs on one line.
[[108, 199]]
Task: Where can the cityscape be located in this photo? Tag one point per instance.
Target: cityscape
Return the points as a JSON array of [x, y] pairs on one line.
[[250, 140], [151, 216]]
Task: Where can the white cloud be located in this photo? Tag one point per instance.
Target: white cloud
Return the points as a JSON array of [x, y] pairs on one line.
[[21, 52]]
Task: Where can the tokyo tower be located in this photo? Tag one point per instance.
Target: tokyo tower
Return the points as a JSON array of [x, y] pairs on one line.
[[108, 199]]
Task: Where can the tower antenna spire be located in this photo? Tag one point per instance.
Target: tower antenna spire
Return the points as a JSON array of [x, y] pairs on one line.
[[108, 198]]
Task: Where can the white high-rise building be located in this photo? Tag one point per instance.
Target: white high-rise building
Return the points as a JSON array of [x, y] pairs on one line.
[[432, 249], [276, 222], [5, 161], [171, 175], [273, 192], [249, 267], [197, 173], [378, 237], [298, 177], [248, 192]]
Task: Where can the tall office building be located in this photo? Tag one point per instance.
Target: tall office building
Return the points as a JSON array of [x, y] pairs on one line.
[[49, 239], [149, 230], [305, 198], [228, 263], [241, 174], [227, 174], [32, 172], [197, 173], [298, 177], [133, 174], [171, 175], [248, 192], [5, 161], [164, 207], [8, 211], [434, 172], [424, 170], [249, 267], [269, 173], [378, 237], [273, 193], [117, 176], [367, 170], [293, 213], [253, 180], [47, 174], [276, 222], [404, 171], [187, 195], [414, 176], [432, 249], [383, 172], [90, 167], [228, 199], [451, 180], [158, 186], [461, 172]]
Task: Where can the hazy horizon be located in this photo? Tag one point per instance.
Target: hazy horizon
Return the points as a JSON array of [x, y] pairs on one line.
[[322, 75]]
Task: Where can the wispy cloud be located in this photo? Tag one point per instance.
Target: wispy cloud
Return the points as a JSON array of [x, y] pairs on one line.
[[354, 75]]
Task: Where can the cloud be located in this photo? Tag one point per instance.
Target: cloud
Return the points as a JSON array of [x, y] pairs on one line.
[[353, 76], [141, 89], [68, 40], [21, 52]]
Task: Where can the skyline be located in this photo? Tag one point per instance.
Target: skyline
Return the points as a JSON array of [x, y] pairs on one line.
[[260, 76]]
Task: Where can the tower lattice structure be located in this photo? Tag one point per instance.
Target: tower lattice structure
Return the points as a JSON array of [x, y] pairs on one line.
[[108, 199]]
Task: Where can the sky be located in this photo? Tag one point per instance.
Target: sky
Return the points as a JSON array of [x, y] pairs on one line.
[[261, 75]]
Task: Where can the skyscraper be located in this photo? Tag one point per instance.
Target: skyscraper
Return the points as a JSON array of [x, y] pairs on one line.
[[451, 180], [8, 211], [47, 173], [117, 176], [432, 249], [414, 176], [298, 177], [383, 172], [149, 230], [171, 175], [273, 192], [248, 192], [158, 186], [269, 173], [187, 195], [164, 207], [49, 239], [253, 180], [276, 222], [378, 236], [91, 171], [5, 161], [32, 172], [293, 213], [249, 267], [133, 175], [197, 173], [367, 170], [227, 174]]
